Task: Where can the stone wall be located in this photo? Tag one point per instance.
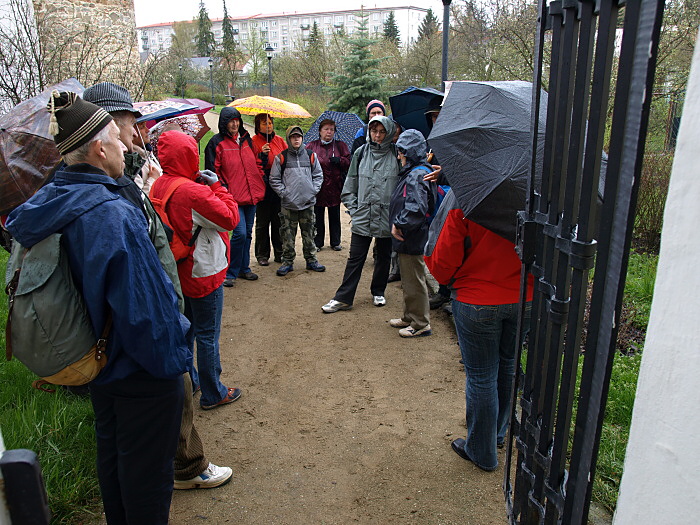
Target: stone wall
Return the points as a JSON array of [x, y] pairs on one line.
[[92, 41]]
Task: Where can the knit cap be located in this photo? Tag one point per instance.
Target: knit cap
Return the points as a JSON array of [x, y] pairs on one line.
[[73, 121], [376, 104], [111, 97]]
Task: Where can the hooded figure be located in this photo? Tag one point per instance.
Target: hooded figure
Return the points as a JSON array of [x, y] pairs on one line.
[[374, 108], [371, 179], [230, 155], [411, 203], [412, 199], [203, 212]]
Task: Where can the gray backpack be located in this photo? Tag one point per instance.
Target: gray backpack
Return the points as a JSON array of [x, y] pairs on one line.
[[48, 328]]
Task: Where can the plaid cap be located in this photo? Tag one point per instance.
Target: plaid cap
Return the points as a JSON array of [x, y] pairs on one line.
[[74, 121], [111, 97]]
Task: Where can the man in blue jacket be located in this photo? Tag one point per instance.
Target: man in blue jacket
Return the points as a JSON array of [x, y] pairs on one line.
[[138, 396]]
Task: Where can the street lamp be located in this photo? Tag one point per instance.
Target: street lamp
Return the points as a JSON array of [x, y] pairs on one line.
[[445, 38], [211, 78], [269, 50], [182, 88]]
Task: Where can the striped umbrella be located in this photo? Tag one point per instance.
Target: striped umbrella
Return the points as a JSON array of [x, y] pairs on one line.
[[276, 107]]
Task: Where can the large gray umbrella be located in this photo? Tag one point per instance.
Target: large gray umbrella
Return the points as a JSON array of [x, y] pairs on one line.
[[482, 138]]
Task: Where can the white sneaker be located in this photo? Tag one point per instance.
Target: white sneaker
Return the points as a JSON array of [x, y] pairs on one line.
[[412, 332], [379, 300], [333, 306], [398, 323], [213, 476]]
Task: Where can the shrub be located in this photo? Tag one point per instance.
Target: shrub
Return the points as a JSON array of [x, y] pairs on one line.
[[653, 188]]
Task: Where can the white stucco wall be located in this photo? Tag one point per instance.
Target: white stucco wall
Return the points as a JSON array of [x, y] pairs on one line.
[[661, 480]]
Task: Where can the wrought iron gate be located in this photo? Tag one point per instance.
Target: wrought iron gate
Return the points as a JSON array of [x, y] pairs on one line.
[[567, 230]]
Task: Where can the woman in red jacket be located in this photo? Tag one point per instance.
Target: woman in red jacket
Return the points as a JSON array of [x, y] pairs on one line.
[[483, 271], [266, 146], [205, 213], [230, 155]]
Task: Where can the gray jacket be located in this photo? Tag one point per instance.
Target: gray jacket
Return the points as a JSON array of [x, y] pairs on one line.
[[369, 185], [300, 182]]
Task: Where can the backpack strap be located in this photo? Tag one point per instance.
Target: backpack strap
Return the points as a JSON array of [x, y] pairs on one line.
[[175, 184]]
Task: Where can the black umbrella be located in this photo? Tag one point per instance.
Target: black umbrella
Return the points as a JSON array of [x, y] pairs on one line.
[[408, 107], [482, 139]]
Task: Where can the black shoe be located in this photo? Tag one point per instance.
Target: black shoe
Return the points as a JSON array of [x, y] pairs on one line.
[[436, 301], [228, 283], [393, 277], [337, 248], [248, 276], [278, 259]]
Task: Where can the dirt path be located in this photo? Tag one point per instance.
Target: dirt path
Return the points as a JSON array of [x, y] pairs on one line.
[[341, 420]]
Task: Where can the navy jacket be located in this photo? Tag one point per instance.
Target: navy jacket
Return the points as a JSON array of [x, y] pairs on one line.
[[115, 266]]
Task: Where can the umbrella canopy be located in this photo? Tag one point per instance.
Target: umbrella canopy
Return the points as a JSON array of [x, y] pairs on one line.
[[346, 125], [482, 139], [28, 153], [276, 107], [202, 105], [193, 125], [408, 107], [161, 109]]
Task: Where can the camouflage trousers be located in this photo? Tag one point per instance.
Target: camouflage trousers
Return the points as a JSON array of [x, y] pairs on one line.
[[305, 220]]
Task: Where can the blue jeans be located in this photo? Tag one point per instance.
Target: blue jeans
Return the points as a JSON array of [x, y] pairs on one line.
[[205, 315], [241, 238], [487, 336]]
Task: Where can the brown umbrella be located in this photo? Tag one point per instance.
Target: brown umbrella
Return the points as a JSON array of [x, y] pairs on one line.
[[28, 154]]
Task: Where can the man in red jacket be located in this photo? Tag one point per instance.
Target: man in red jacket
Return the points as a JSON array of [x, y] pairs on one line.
[[206, 213], [230, 154], [483, 271]]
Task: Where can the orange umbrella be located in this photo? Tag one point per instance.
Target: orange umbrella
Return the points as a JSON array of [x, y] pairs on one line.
[[276, 107]]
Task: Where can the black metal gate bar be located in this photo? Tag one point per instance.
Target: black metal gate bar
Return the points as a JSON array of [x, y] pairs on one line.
[[635, 83], [557, 242]]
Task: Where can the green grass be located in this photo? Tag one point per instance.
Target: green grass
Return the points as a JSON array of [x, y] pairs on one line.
[[639, 287], [59, 428]]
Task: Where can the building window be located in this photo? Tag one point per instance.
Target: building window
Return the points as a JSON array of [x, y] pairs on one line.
[[295, 22], [273, 23], [244, 25], [273, 34], [263, 24], [375, 16], [338, 19], [327, 20]]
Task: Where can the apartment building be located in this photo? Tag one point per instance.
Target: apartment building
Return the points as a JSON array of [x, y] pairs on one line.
[[285, 31]]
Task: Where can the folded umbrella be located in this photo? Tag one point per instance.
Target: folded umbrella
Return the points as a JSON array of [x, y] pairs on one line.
[[28, 154], [275, 107], [483, 141], [408, 107], [346, 125]]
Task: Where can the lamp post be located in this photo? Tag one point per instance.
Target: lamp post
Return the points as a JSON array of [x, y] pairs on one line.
[[269, 50], [182, 88], [211, 78], [445, 38]]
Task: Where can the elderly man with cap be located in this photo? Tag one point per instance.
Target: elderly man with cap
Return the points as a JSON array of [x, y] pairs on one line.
[[138, 396], [192, 469]]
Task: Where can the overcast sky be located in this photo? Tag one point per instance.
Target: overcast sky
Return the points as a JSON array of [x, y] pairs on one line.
[[156, 11]]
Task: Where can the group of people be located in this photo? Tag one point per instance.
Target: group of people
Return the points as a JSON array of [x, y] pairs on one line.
[[106, 199]]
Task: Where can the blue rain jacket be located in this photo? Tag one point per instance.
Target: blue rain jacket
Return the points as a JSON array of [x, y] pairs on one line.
[[116, 267]]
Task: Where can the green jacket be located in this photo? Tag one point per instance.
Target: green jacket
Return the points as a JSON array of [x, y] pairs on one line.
[[370, 183]]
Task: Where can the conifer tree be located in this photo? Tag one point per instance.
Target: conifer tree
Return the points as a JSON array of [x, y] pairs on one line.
[[228, 42], [360, 80], [204, 41], [429, 26], [391, 30]]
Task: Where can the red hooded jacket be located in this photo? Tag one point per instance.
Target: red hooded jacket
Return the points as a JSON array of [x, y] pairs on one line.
[[231, 157], [192, 205]]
